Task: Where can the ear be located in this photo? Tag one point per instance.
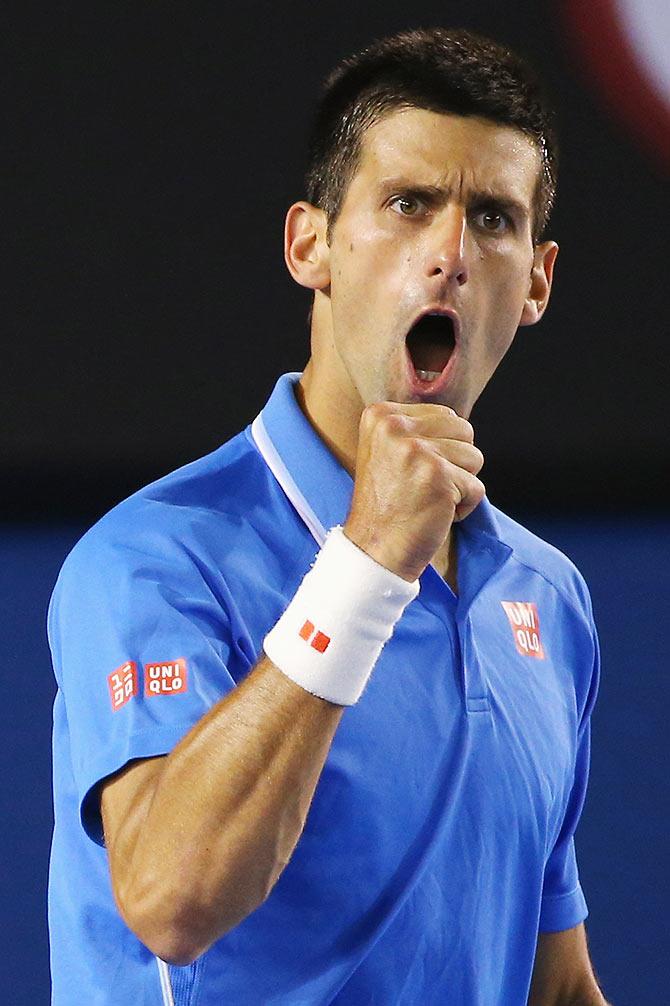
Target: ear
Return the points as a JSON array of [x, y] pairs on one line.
[[541, 276], [306, 251]]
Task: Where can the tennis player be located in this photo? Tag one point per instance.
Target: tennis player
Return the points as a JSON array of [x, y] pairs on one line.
[[323, 717]]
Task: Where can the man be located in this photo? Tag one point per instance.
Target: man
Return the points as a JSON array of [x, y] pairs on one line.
[[245, 812]]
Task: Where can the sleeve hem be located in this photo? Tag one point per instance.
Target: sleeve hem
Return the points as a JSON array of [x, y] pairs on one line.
[[562, 911], [141, 744]]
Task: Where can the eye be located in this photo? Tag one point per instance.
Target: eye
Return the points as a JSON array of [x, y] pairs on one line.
[[408, 205], [493, 220]]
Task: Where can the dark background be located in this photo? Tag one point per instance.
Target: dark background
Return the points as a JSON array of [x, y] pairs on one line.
[[151, 154], [154, 156]]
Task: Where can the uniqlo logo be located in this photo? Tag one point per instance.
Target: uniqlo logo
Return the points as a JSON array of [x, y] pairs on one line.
[[318, 640], [525, 622], [166, 678], [122, 684]]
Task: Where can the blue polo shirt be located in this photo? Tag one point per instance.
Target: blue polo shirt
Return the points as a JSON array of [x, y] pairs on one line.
[[440, 838]]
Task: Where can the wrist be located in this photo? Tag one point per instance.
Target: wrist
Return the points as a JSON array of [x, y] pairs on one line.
[[344, 611], [382, 551]]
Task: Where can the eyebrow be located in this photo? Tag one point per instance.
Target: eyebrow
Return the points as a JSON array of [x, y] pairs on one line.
[[439, 194]]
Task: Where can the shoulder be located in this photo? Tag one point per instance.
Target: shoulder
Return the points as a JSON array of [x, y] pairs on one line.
[[543, 558], [564, 603], [188, 515]]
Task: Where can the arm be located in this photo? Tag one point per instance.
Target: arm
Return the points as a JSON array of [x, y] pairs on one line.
[[197, 839], [563, 975]]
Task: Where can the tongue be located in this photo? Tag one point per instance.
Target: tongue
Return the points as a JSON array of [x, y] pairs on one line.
[[430, 353]]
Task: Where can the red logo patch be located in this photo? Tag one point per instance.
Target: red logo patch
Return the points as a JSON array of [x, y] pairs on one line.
[[525, 622], [318, 640], [169, 678], [122, 684]]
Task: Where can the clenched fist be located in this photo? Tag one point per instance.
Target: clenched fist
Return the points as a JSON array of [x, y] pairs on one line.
[[416, 473]]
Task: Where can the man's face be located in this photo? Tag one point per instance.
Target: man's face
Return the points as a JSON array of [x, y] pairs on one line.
[[438, 217]]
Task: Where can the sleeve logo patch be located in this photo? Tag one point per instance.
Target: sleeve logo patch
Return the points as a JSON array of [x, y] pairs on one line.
[[525, 622], [122, 684], [169, 678]]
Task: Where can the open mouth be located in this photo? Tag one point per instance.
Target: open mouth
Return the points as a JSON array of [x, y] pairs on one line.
[[430, 344]]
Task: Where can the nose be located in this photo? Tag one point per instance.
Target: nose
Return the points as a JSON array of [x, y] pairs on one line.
[[446, 254]]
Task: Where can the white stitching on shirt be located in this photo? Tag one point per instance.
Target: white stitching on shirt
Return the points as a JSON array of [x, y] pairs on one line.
[[166, 987], [272, 459]]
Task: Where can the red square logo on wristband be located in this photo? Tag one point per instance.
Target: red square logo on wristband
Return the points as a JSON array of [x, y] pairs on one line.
[[317, 640]]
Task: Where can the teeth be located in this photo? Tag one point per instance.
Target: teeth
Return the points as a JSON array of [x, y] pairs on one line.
[[428, 375]]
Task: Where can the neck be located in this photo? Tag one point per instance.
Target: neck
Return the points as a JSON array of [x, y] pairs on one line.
[[334, 415]]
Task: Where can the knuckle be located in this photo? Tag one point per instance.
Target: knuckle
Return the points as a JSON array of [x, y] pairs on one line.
[[446, 476], [417, 446], [372, 414], [477, 459], [454, 494], [432, 468], [478, 489], [393, 423], [413, 451], [468, 431]]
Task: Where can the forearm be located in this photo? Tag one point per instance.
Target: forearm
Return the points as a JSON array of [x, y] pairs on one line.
[[589, 996], [226, 813], [592, 998]]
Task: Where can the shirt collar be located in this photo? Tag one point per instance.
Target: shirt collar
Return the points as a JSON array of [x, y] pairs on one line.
[[315, 482], [311, 476]]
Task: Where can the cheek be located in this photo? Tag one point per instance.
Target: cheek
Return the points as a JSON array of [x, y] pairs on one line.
[[503, 301], [368, 271], [508, 285]]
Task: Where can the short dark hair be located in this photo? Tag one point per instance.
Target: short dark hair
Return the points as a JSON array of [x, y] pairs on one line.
[[437, 69]]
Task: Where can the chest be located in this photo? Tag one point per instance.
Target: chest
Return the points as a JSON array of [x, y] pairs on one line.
[[414, 767]]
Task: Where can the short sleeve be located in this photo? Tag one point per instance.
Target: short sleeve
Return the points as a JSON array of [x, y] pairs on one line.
[[125, 613], [563, 902]]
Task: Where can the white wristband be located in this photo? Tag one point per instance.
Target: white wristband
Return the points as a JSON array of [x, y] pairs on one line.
[[330, 636]]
